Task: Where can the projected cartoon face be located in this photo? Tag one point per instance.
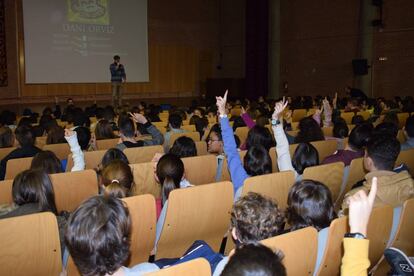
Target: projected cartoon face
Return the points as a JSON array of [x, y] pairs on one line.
[[88, 8]]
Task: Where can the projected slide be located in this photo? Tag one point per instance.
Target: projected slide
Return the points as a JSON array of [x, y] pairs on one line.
[[73, 41]]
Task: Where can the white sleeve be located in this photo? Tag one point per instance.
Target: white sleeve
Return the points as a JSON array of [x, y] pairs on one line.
[[77, 153], [284, 160]]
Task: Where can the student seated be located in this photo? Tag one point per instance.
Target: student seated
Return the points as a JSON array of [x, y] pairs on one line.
[[254, 259], [26, 148], [116, 179], [174, 125], [257, 160], [393, 188], [309, 204], [109, 156], [103, 130], [55, 135], [215, 146], [409, 133], [98, 237], [46, 161], [184, 147], [355, 148], [306, 155], [6, 137], [32, 192], [127, 130], [253, 218]]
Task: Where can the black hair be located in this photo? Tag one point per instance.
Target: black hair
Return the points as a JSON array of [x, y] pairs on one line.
[[6, 137], [409, 126], [309, 131], [254, 260], [47, 162], [175, 120], [309, 204], [117, 57], [387, 128], [383, 149], [34, 186], [238, 122], [359, 136], [170, 171], [25, 136], [184, 147], [113, 154], [306, 155], [259, 135], [126, 127], [84, 136], [357, 120], [340, 130], [257, 161]]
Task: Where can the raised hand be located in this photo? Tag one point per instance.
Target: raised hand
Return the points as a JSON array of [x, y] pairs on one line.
[[335, 99], [279, 107], [360, 207], [221, 104], [138, 118]]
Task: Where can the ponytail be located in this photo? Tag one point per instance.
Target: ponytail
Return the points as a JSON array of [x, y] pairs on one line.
[[115, 189], [167, 186]]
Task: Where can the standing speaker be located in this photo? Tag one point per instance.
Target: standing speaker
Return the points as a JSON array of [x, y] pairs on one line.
[[360, 66]]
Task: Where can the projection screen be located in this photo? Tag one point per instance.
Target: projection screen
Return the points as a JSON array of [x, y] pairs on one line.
[[74, 41]]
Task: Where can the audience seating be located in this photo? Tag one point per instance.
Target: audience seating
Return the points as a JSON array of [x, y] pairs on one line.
[[292, 133], [60, 150], [330, 174], [6, 196], [144, 179], [196, 267], [72, 188], [378, 232], [236, 112], [201, 148], [142, 154], [200, 169], [16, 166], [143, 221], [40, 141], [5, 151], [402, 118], [401, 136], [347, 116], [299, 250], [92, 159], [407, 157], [193, 135], [275, 186], [331, 260], [195, 213], [298, 114], [242, 133], [225, 174], [356, 173], [295, 125], [30, 245], [190, 128], [364, 114], [106, 144]]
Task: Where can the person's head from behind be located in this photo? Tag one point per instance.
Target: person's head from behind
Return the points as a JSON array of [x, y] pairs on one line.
[[98, 235], [359, 136], [127, 128], [25, 121], [262, 121], [309, 131], [254, 260], [169, 173], [259, 135], [391, 117], [254, 218], [55, 135], [117, 179], [184, 147], [387, 128], [306, 155], [357, 120], [409, 126], [25, 137], [103, 130], [34, 187], [215, 140], [340, 130], [77, 117], [6, 137], [111, 155], [47, 162], [257, 161], [309, 204], [47, 122], [84, 137], [381, 152], [175, 121]]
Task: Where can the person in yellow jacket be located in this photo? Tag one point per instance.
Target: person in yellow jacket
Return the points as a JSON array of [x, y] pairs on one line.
[[355, 261]]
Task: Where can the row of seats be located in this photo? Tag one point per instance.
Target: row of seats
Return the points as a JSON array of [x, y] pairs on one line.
[[28, 241]]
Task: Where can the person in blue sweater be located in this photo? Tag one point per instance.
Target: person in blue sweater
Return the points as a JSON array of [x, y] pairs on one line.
[[257, 160]]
